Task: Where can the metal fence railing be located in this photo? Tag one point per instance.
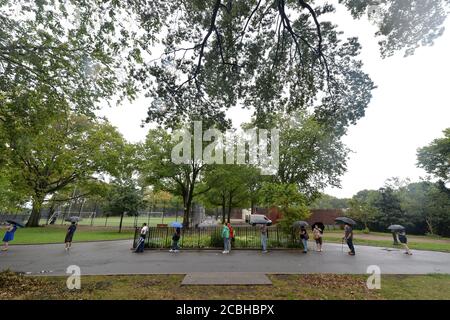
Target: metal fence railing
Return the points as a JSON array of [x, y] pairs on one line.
[[246, 237]]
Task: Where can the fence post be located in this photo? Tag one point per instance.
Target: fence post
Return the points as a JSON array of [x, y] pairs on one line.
[[278, 237]]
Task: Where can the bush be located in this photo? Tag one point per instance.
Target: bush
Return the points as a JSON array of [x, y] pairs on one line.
[[216, 240]]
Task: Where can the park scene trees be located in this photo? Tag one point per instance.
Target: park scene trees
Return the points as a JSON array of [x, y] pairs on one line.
[[291, 68]]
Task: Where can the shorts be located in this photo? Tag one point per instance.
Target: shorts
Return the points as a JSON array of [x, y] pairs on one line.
[[69, 237], [319, 240]]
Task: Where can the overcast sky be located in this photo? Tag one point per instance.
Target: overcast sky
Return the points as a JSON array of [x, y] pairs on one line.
[[409, 109]]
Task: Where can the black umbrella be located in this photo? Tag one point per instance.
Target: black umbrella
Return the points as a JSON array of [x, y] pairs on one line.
[[16, 223], [319, 225], [345, 220], [73, 219], [298, 224], [396, 227]]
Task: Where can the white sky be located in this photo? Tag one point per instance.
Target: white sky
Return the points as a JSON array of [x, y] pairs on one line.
[[409, 109]]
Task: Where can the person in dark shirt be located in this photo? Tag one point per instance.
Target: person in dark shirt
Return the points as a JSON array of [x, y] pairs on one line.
[[69, 235], [348, 237], [304, 237]]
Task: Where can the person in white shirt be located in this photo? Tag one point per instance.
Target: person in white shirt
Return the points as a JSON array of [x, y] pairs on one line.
[[141, 242]]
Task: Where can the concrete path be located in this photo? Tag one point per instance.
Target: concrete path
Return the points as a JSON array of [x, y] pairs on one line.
[[115, 257]]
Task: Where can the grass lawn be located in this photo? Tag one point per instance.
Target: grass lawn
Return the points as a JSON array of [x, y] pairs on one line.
[[56, 234], [285, 287], [115, 221]]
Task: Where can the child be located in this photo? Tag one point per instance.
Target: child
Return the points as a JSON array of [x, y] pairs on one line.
[[69, 235], [9, 235], [175, 238]]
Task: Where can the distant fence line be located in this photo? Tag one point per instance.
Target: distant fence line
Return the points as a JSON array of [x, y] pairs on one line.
[[246, 237]]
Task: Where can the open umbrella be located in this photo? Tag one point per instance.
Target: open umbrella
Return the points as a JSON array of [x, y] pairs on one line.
[[73, 219], [176, 224], [298, 224], [16, 223], [396, 227], [345, 220], [320, 225]]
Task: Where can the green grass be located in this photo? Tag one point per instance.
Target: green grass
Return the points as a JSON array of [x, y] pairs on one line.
[[284, 287], [56, 234], [115, 221]]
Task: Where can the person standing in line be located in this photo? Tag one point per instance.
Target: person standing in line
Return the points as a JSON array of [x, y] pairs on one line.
[[304, 237], [404, 241], [9, 235], [264, 236], [348, 237], [226, 238], [317, 233], [141, 242], [69, 235], [231, 239], [175, 239]]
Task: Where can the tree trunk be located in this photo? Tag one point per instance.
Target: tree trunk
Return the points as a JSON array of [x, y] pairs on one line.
[[224, 212], [33, 221], [429, 224], [229, 207], [120, 225], [187, 213]]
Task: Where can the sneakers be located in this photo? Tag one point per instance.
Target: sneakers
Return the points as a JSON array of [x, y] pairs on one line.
[[171, 250], [225, 251], [265, 251]]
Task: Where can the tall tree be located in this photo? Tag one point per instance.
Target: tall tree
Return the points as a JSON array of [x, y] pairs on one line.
[[362, 211], [160, 171], [435, 158], [79, 51], [288, 199], [124, 198], [50, 148], [230, 187]]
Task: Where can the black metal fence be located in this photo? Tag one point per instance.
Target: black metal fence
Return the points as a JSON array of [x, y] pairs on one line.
[[246, 237]]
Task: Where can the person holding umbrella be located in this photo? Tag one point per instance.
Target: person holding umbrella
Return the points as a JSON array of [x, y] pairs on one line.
[[348, 237], [304, 237], [400, 236], [9, 234], [175, 238], [69, 235]]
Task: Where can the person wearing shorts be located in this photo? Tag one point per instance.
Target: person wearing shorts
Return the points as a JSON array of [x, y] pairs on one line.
[[69, 235], [317, 232]]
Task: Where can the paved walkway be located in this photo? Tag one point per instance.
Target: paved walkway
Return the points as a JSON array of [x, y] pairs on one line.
[[115, 257]]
